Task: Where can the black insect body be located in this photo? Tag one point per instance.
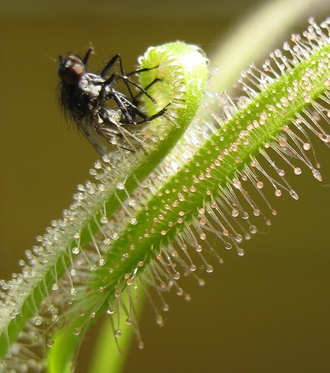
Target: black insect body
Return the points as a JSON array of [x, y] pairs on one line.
[[86, 96]]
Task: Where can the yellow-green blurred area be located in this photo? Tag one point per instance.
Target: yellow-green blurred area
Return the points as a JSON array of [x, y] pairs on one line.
[[265, 312]]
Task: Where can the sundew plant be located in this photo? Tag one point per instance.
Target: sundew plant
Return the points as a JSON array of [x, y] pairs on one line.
[[149, 217]]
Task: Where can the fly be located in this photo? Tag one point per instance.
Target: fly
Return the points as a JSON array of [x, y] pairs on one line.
[[85, 96]]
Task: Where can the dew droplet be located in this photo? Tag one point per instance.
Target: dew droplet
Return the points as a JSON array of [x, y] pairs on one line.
[[234, 213], [238, 238], [278, 193], [317, 174], [202, 236], [199, 248], [240, 252], [306, 146], [176, 276], [245, 215], [324, 137], [50, 343], [253, 229], [110, 311], [193, 268], [201, 282], [117, 333], [228, 246], [37, 321], [187, 297], [209, 268], [256, 212], [134, 221], [294, 195], [104, 220], [260, 184], [159, 320], [76, 331]]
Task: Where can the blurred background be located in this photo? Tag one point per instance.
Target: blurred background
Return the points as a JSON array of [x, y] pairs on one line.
[[265, 312]]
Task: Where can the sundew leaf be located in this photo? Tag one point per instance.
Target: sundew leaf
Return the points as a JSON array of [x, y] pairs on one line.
[[26, 309]]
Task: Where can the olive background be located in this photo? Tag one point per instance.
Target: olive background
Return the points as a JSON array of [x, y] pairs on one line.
[[265, 312]]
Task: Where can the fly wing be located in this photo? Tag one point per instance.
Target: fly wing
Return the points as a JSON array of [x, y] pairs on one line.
[[109, 133], [121, 135], [94, 137]]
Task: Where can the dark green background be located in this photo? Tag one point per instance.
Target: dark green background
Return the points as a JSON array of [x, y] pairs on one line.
[[266, 312]]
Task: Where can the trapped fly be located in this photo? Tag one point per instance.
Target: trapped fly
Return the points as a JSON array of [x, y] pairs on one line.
[[100, 110]]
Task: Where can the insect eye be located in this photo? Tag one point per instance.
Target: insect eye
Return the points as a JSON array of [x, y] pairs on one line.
[[71, 74]]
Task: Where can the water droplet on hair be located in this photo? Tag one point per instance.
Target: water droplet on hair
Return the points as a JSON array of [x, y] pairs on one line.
[[253, 229], [317, 174], [256, 212], [37, 321], [187, 297], [278, 193], [201, 282], [294, 195], [324, 137], [234, 213], [117, 333], [306, 146], [176, 276], [76, 331], [193, 268], [50, 343], [228, 246], [240, 252], [134, 221], [209, 268], [159, 320], [104, 220]]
